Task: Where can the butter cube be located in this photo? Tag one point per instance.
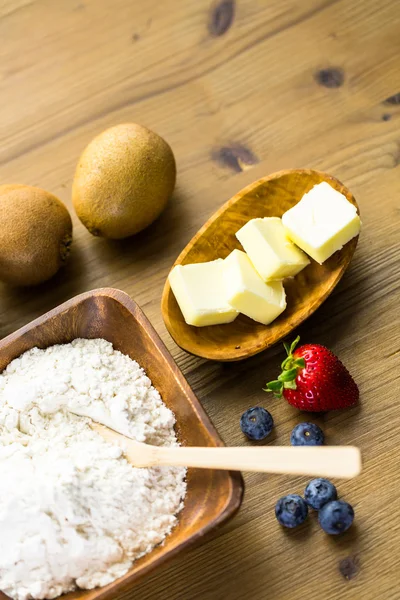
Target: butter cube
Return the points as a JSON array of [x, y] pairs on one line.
[[270, 250], [200, 293], [322, 222], [248, 293]]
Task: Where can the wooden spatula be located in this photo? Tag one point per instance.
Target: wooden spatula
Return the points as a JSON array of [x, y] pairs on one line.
[[322, 461]]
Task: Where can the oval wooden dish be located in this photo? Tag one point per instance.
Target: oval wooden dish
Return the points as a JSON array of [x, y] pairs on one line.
[[267, 197]]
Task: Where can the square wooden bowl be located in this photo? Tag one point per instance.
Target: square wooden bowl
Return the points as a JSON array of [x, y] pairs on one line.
[[212, 496]]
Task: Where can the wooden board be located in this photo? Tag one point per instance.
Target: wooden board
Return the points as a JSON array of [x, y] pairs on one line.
[[239, 89]]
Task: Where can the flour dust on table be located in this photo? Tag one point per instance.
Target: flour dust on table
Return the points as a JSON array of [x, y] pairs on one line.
[[73, 512]]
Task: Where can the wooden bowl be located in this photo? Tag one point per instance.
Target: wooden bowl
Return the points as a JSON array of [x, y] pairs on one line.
[[267, 197], [212, 496]]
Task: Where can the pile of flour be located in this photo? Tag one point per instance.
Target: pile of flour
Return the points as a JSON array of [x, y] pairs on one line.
[[73, 512]]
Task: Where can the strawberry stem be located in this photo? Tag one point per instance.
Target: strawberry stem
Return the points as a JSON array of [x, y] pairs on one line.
[[290, 368], [293, 345]]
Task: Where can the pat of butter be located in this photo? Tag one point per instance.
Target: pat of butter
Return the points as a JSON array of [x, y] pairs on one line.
[[200, 293], [322, 222], [248, 293], [270, 250]]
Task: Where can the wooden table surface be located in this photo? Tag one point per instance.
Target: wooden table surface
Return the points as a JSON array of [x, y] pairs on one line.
[[239, 89]]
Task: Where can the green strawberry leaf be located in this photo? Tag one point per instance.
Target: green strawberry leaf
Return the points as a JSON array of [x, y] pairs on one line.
[[294, 344], [288, 375], [300, 362], [290, 368], [289, 385], [273, 386]]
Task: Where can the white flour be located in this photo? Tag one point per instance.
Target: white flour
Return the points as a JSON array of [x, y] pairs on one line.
[[73, 512]]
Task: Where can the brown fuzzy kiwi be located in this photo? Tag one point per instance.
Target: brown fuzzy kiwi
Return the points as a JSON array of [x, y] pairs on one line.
[[35, 234], [123, 181]]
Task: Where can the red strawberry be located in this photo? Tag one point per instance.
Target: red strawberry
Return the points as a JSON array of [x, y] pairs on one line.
[[314, 379]]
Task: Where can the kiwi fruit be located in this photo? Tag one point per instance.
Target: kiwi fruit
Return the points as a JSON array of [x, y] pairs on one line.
[[35, 234], [123, 181]]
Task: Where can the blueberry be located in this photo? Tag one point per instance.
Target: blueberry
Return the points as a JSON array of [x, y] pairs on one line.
[[336, 517], [319, 492], [307, 434], [291, 510], [256, 423]]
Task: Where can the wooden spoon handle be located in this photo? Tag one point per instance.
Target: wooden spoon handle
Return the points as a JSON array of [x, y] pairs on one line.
[[326, 461], [322, 461]]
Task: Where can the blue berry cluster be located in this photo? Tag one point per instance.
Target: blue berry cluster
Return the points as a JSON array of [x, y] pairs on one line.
[[334, 516]]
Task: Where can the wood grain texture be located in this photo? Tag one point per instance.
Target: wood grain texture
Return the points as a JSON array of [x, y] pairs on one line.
[[287, 84], [270, 196]]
